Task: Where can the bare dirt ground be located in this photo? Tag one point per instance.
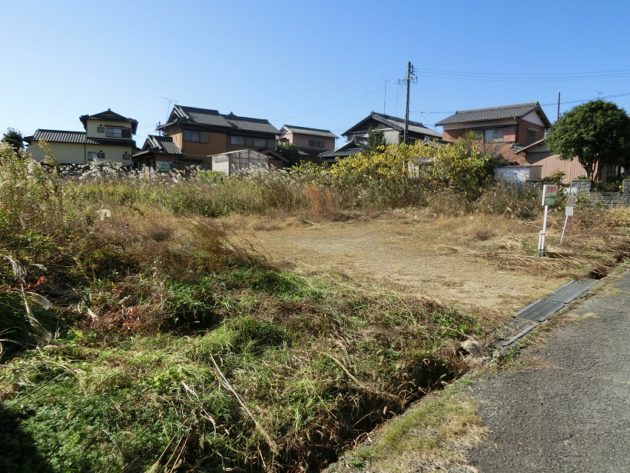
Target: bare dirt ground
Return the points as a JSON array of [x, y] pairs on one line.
[[483, 262]]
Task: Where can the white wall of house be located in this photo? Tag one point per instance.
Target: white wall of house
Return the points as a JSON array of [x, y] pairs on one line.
[[69, 153], [64, 153], [533, 117], [391, 136], [93, 127]]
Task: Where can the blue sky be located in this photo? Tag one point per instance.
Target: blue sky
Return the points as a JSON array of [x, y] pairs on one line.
[[322, 64]]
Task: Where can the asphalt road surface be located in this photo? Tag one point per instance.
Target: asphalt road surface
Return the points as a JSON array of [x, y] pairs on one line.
[[569, 411]]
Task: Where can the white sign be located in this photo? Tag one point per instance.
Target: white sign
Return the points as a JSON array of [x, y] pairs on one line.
[[568, 212], [550, 192]]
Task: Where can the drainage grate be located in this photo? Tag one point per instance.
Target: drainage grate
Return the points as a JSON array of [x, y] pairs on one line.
[[528, 317], [572, 290], [541, 310]]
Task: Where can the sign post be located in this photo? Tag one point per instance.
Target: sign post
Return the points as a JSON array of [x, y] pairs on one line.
[[568, 212], [549, 195]]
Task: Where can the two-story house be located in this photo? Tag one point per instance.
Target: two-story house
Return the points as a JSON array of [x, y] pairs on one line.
[[503, 130], [200, 133], [108, 137], [310, 142], [392, 129]]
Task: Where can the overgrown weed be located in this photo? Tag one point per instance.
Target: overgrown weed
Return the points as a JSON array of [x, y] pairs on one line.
[[177, 348]]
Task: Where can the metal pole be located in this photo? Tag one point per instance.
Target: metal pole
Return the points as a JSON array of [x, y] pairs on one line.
[[543, 233], [564, 228]]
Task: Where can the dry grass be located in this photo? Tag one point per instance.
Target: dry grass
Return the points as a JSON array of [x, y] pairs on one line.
[[185, 347], [432, 436], [487, 263]]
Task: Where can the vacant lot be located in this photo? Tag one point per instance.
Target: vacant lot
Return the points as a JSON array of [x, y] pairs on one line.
[[481, 261]]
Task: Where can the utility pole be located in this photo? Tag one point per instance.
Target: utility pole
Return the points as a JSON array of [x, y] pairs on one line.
[[558, 114], [410, 76]]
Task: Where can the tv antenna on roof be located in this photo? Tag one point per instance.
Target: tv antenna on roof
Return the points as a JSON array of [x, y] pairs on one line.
[[168, 106]]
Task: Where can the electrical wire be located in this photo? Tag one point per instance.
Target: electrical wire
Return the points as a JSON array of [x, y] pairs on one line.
[[562, 102], [523, 76]]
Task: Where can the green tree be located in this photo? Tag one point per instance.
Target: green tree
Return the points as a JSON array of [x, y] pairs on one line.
[[288, 150], [596, 133], [13, 138], [375, 140]]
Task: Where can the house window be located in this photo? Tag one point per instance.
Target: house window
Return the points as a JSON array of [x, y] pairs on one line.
[[260, 142], [237, 140], [495, 135], [162, 166], [531, 135], [95, 155], [112, 132], [316, 143], [100, 129], [195, 136]]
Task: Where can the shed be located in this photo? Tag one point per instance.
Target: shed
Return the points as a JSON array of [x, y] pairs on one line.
[[239, 161]]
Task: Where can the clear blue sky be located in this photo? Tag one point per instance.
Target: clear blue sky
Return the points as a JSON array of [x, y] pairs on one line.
[[315, 63]]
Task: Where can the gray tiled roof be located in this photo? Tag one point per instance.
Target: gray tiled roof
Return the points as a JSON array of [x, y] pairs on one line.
[[162, 144], [493, 113], [396, 123], [62, 136], [347, 149], [75, 137], [309, 131], [200, 116], [212, 118], [108, 115], [399, 123], [251, 124]]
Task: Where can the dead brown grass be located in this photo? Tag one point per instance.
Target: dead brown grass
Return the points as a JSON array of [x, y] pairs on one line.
[[481, 261], [432, 436]]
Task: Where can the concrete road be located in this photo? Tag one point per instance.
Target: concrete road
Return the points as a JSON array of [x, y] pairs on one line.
[[571, 411]]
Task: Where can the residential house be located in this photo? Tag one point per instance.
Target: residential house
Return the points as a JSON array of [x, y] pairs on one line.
[[200, 133], [538, 154], [162, 154], [108, 137], [310, 142], [503, 130], [392, 129]]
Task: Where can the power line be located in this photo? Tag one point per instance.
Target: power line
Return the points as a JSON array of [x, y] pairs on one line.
[[527, 76], [625, 94], [328, 107]]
